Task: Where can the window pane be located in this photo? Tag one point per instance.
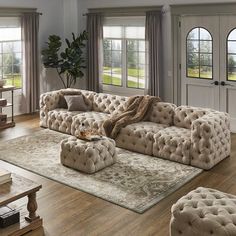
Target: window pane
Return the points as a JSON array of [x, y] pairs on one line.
[[135, 32], [116, 45], [193, 46], [204, 34], [194, 34], [232, 73], [116, 70], [17, 46], [17, 82], [132, 45], [7, 70], [16, 58], [107, 78], [9, 81], [132, 58], [107, 58], [206, 72], [10, 34], [232, 61], [232, 35], [7, 47], [132, 82], [7, 59], [231, 47], [193, 59], [141, 58], [16, 69], [142, 70], [206, 59], [112, 32], [116, 58], [141, 46], [116, 80], [193, 71], [106, 44], [206, 46], [142, 82]]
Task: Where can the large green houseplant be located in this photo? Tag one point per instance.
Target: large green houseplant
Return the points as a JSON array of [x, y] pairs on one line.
[[70, 61]]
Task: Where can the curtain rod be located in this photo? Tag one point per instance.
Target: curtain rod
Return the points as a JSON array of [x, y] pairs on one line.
[[123, 11]]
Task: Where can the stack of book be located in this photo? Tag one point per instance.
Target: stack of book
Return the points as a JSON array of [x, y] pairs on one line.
[[5, 176], [8, 216]]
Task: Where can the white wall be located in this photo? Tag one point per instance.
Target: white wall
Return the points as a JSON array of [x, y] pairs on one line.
[[168, 84]]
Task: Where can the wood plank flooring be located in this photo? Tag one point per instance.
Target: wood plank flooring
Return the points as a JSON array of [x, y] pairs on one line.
[[69, 212]]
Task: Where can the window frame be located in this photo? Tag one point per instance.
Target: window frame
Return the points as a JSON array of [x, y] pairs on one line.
[[124, 89], [227, 54], [199, 53]]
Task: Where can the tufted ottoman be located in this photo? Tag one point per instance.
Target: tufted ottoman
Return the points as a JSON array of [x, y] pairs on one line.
[[204, 212], [88, 156]]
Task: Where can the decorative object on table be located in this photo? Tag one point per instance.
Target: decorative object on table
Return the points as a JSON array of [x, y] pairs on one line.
[[136, 181], [3, 119], [70, 62], [2, 82], [89, 134], [5, 176], [8, 216], [3, 102]]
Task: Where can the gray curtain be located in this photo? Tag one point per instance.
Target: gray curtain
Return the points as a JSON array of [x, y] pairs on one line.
[[153, 35], [30, 28], [95, 34]]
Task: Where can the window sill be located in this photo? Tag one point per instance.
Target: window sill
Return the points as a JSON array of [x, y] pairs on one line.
[[122, 91]]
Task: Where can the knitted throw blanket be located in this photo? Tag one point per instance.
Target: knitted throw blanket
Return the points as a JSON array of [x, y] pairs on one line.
[[136, 110]]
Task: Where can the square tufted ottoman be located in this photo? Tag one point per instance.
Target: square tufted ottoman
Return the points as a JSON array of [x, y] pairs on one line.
[[204, 212], [88, 156]]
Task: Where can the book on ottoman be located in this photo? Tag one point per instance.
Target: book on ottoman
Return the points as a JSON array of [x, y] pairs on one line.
[[3, 119], [5, 176], [8, 216], [3, 102]]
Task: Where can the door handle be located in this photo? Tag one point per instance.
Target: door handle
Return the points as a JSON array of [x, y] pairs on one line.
[[215, 83], [222, 83]]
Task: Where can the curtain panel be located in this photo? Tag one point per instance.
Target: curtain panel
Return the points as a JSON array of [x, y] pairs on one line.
[[153, 37], [94, 50], [30, 28]]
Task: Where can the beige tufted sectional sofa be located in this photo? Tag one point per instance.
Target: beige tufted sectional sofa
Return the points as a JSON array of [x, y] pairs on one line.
[[190, 135]]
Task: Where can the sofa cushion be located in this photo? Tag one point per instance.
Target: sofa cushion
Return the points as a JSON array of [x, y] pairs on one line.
[[185, 115], [76, 103], [138, 137], [61, 120], [173, 143], [111, 104], [162, 112], [91, 120]]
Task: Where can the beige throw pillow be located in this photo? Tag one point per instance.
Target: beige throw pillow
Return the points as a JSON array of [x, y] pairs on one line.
[[76, 103]]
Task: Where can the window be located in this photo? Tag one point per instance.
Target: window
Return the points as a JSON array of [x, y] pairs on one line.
[[231, 56], [10, 51], [124, 54], [199, 54]]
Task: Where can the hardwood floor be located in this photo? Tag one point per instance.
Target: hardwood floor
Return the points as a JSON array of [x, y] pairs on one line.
[[69, 212]]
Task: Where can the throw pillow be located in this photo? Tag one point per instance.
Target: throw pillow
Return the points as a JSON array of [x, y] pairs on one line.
[[76, 103]]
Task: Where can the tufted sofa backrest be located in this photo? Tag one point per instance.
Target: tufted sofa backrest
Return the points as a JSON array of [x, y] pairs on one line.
[[162, 112], [185, 115], [88, 95], [108, 103]]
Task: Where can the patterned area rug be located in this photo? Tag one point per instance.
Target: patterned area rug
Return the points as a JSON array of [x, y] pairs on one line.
[[136, 181]]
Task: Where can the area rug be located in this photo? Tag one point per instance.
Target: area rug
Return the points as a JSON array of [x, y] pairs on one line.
[[136, 181]]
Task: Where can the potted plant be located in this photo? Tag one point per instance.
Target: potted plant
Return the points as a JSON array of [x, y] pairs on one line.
[[69, 62]]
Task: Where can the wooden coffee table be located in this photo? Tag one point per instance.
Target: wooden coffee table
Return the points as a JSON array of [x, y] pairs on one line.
[[21, 187]]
